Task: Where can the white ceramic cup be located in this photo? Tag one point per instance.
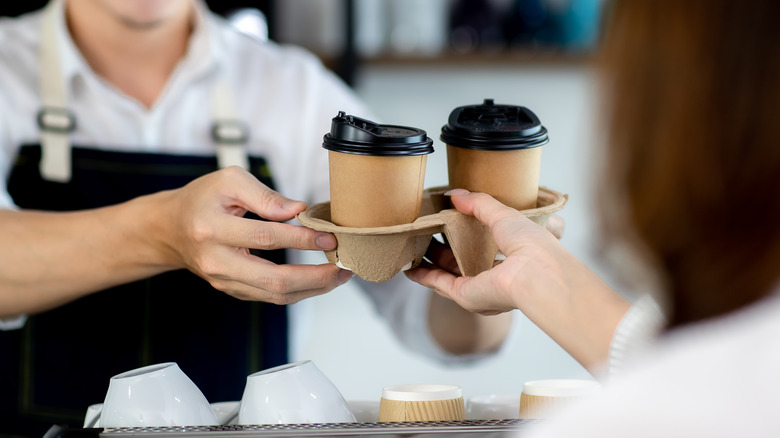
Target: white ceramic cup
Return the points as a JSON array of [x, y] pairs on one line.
[[365, 411], [493, 407], [226, 412], [92, 417], [155, 395], [294, 393]]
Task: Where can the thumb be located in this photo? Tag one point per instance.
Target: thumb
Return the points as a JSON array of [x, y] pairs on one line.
[[480, 205], [268, 203], [504, 222]]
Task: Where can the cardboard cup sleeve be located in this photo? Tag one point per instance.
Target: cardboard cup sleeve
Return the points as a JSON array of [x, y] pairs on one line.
[[422, 403], [375, 191]]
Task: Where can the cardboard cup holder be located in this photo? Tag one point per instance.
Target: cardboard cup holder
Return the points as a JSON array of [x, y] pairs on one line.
[[377, 254]]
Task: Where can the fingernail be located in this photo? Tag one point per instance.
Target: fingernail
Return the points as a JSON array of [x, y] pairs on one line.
[[456, 192], [345, 275], [326, 241], [291, 205]]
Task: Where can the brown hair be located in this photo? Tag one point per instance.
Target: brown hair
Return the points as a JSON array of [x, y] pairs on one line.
[[693, 92]]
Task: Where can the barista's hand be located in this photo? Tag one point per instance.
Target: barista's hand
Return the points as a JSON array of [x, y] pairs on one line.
[[540, 277], [210, 237]]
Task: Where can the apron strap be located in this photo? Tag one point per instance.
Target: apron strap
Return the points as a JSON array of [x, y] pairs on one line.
[[229, 134], [55, 120]]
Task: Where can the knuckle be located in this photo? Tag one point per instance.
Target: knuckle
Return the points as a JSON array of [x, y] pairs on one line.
[[282, 299], [218, 284], [276, 284], [269, 197], [231, 172], [201, 231], [323, 279], [504, 283], [209, 266], [265, 237], [303, 237]]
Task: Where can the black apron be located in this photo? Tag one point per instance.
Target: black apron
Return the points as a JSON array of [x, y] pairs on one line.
[[62, 360]]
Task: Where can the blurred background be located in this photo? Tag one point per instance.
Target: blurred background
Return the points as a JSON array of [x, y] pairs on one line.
[[412, 62]]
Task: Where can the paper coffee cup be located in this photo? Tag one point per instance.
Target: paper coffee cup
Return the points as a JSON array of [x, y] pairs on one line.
[[377, 172], [495, 149], [421, 403], [540, 397], [512, 177], [361, 194]]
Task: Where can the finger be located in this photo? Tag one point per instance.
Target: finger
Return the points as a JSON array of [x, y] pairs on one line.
[[504, 222], [482, 206], [246, 292], [249, 233], [475, 294], [439, 280], [556, 225], [263, 201], [279, 280], [441, 255]]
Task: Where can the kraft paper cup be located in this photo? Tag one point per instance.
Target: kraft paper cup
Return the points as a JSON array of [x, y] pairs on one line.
[[511, 176], [405, 403], [373, 191], [495, 149], [541, 397], [377, 172]]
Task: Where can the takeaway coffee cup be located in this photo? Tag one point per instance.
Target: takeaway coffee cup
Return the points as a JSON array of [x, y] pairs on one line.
[[377, 172], [540, 397], [421, 403], [495, 149]]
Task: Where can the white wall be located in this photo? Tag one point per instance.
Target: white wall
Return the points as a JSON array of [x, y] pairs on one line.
[[348, 341]]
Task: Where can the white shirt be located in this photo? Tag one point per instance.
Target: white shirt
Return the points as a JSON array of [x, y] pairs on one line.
[[284, 95], [718, 378]]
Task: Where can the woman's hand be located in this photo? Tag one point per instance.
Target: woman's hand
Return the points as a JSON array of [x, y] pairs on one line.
[[539, 276], [529, 249]]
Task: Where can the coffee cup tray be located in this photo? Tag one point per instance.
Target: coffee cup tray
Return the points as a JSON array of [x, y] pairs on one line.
[[495, 428], [379, 253]]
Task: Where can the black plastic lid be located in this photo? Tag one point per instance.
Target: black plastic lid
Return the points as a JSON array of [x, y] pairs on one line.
[[353, 135], [494, 127]]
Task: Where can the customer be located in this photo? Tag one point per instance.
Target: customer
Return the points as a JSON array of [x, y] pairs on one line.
[[112, 112], [693, 165]]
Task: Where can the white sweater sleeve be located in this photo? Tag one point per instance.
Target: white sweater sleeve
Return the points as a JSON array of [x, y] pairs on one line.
[[638, 327], [12, 323]]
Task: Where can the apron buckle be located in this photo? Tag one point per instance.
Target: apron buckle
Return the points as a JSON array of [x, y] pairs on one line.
[[56, 119], [229, 132]]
